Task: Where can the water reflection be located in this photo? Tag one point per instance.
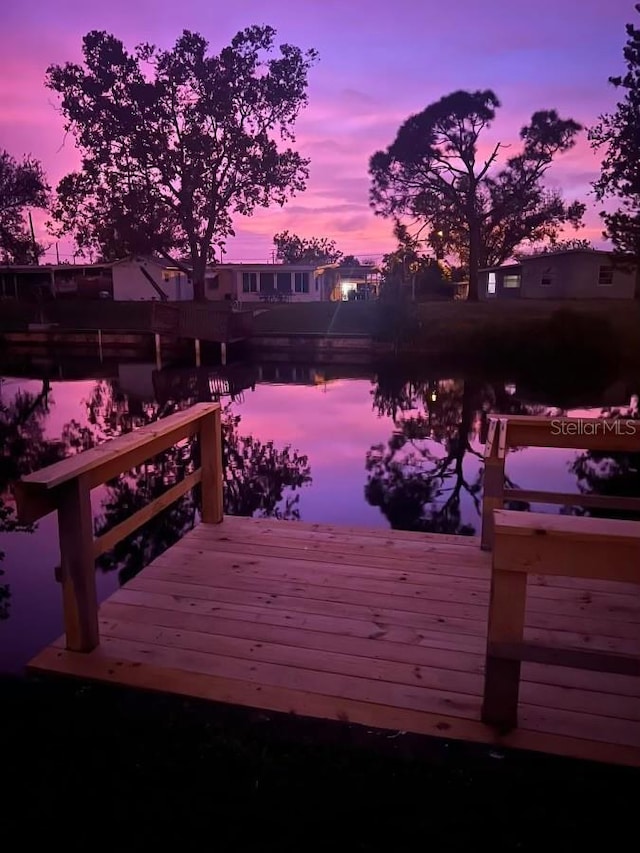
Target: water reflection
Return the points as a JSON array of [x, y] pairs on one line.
[[610, 474], [433, 457], [322, 443], [261, 479], [431, 462], [24, 448]]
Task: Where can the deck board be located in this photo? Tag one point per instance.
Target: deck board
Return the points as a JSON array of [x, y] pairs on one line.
[[379, 628]]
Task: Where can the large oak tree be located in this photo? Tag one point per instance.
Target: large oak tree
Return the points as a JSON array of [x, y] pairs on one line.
[[175, 142], [434, 176], [619, 134], [22, 185], [292, 249]]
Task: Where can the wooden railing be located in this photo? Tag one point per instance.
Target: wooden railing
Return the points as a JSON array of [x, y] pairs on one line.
[[66, 486], [532, 543], [545, 544], [614, 435]]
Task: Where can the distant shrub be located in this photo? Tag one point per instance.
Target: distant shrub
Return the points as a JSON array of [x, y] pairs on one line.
[[397, 320]]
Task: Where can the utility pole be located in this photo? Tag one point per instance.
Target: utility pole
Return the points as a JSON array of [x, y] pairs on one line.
[[57, 255], [33, 240]]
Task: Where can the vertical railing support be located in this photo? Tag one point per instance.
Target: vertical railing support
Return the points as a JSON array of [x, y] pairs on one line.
[[211, 463], [77, 567], [506, 625], [493, 479], [66, 487]]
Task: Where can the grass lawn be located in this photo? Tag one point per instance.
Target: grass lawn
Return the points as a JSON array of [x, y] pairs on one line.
[[576, 337], [93, 767], [317, 318], [434, 317], [465, 316]]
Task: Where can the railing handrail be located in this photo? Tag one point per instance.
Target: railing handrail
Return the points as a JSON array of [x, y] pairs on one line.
[[66, 486], [96, 458], [508, 431], [571, 433]]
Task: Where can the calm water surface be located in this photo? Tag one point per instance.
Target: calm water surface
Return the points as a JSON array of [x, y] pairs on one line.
[[311, 443]]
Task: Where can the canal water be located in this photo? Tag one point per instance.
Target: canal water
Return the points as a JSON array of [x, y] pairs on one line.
[[389, 448]]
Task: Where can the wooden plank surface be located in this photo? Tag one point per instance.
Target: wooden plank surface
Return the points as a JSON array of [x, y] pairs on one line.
[[298, 618], [338, 594], [268, 525], [101, 666]]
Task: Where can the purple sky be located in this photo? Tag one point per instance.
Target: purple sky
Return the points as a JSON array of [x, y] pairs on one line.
[[379, 62]]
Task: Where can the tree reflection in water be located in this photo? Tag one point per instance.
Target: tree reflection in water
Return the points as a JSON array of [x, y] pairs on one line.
[[433, 459], [23, 448], [260, 479], [609, 474], [427, 477]]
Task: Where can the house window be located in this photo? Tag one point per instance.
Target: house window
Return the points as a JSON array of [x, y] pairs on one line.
[[547, 278], [511, 281], [301, 282], [491, 284], [213, 282], [249, 282], [283, 282], [605, 276], [267, 282]]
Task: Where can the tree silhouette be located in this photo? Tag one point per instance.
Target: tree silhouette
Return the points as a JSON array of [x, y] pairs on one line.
[[619, 134], [23, 448], [409, 267], [175, 142], [292, 249], [434, 175], [22, 184], [260, 479], [609, 474], [420, 477]]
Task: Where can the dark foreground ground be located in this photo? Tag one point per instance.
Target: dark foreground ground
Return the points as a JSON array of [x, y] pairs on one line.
[[94, 767]]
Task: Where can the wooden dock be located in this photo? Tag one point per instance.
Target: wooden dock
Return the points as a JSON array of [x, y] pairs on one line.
[[386, 629]]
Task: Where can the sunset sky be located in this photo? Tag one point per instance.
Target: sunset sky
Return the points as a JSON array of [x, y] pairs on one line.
[[380, 61]]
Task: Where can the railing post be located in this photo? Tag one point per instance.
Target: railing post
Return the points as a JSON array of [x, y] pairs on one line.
[[493, 478], [506, 625], [211, 463], [77, 566]]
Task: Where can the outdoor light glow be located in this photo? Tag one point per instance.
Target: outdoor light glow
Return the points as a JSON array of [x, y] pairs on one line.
[[345, 287]]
